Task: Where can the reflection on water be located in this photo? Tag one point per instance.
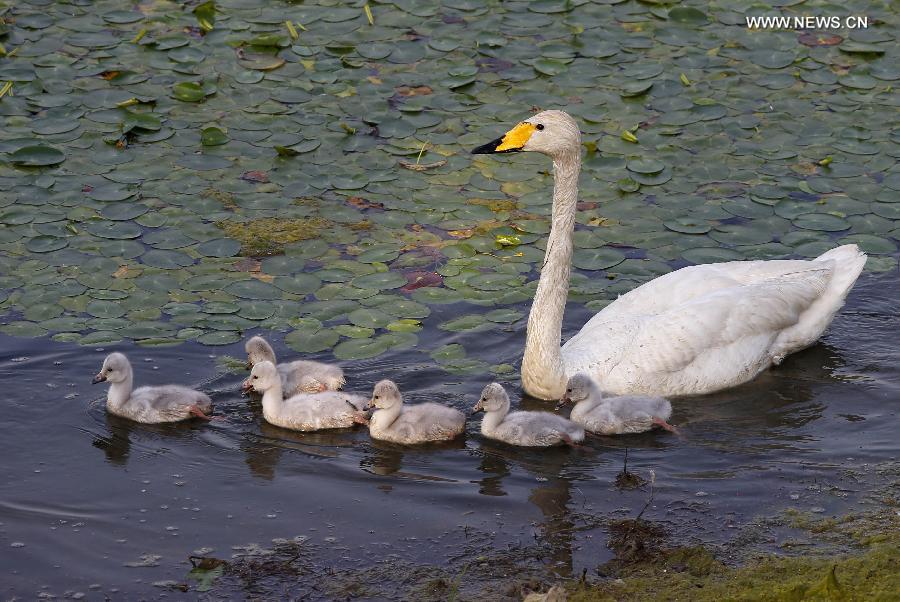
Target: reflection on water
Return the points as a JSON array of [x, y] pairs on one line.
[[167, 490]]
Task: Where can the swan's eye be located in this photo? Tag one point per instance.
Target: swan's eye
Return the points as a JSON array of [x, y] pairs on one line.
[[540, 126], [484, 399], [255, 377], [568, 390], [376, 397]]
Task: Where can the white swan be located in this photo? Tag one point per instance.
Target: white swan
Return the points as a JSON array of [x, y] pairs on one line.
[[150, 405], [614, 415], [301, 376], [527, 429], [420, 423], [696, 330], [304, 411]]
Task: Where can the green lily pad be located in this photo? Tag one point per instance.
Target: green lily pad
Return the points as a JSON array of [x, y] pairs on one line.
[[37, 156], [46, 244], [254, 289], [821, 221], [703, 255], [212, 136], [646, 166], [380, 281], [688, 225], [105, 309], [354, 332], [220, 247], [369, 318], [188, 92], [219, 337], [356, 349], [596, 259]]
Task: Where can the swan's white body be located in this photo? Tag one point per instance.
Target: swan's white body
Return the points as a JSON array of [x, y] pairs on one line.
[[300, 376], [304, 411], [411, 424], [696, 330], [150, 405], [619, 415], [525, 429]]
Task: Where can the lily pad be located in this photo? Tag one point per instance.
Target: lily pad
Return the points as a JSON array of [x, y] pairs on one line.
[[597, 259], [37, 156]]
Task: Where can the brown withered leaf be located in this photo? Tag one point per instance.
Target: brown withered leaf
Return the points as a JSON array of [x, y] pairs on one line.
[[811, 38], [467, 233], [256, 175], [268, 278], [414, 90], [361, 203], [420, 279], [248, 264], [108, 75], [121, 272]]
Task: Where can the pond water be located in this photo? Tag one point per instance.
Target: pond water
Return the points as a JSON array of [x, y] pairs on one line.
[[88, 499]]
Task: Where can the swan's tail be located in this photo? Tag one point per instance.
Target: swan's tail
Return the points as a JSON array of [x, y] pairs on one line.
[[849, 262], [846, 263]]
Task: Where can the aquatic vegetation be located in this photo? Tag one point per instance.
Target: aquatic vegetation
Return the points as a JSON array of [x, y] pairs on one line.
[[127, 139], [861, 564], [268, 236]]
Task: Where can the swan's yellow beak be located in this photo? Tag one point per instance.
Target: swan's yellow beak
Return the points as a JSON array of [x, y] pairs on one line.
[[513, 141]]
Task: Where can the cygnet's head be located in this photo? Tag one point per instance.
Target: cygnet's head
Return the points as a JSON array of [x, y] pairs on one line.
[[553, 133], [386, 394], [580, 387], [116, 369], [493, 398], [258, 350], [262, 377]]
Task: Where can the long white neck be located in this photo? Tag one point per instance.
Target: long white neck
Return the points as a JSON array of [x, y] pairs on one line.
[[272, 399], [383, 419], [120, 392], [543, 373], [492, 420]]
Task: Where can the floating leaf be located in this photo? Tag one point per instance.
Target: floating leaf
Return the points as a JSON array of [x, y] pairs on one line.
[[37, 156], [206, 15], [212, 136], [188, 92]]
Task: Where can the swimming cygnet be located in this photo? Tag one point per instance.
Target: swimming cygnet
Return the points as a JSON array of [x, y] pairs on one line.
[[301, 376], [304, 411], [614, 415], [410, 424], [530, 429], [167, 403]]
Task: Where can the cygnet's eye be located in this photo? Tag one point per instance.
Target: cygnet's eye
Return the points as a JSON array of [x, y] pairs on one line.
[[484, 399], [376, 397], [255, 376], [109, 370], [540, 126], [568, 390]]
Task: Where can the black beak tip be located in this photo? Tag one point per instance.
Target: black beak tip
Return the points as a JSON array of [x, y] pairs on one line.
[[487, 149]]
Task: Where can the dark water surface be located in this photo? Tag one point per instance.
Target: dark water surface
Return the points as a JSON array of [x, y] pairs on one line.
[[85, 496]]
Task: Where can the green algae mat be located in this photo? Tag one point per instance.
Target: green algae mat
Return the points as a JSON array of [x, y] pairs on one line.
[[175, 171]]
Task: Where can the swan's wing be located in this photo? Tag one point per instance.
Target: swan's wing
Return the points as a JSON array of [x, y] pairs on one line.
[[169, 402], [723, 333], [540, 429], [431, 421], [306, 375], [689, 283]]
